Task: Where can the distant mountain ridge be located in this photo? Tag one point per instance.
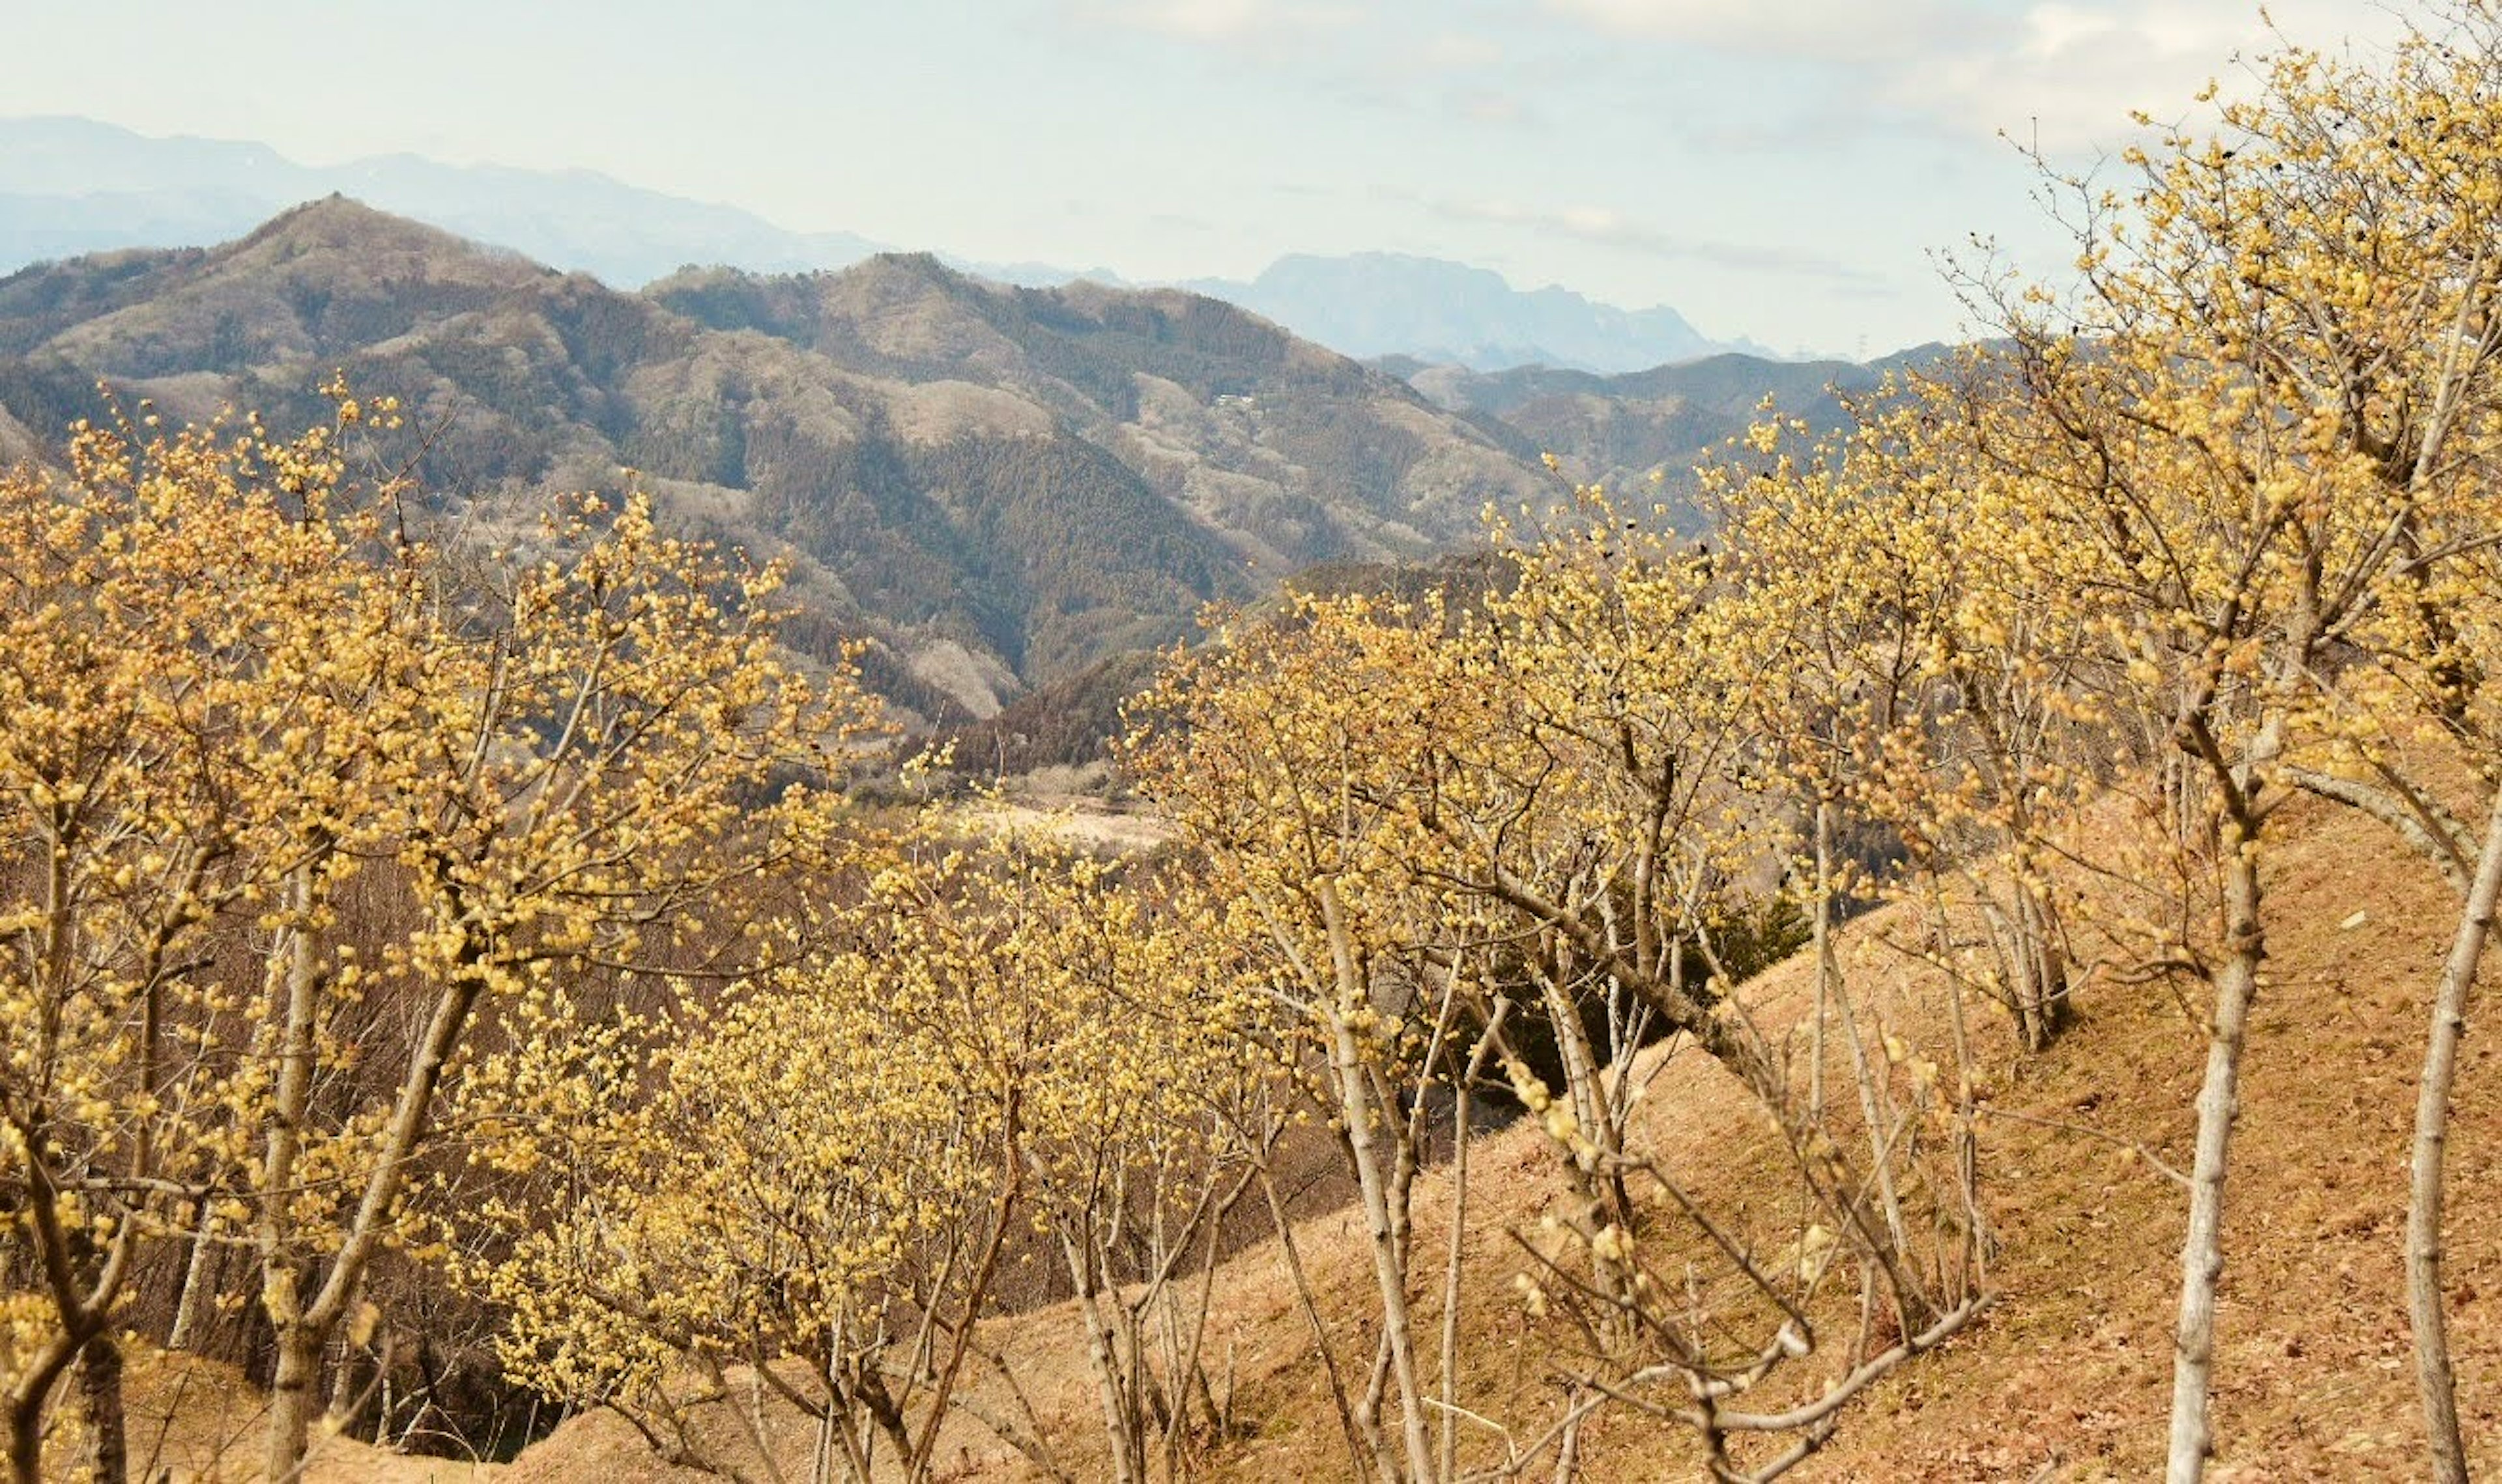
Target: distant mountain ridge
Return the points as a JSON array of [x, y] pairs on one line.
[[73, 186], [1373, 304], [1002, 485], [1620, 430]]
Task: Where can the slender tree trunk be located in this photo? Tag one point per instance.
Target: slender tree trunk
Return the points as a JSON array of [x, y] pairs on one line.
[[1356, 1435], [30, 1392], [1966, 1144], [282, 1276], [2434, 1379], [1917, 1313], [1373, 1183], [1194, 1368], [99, 1385], [195, 1280], [85, 1291], [1364, 1123], [2007, 948], [1446, 1456], [26, 1434], [2045, 971], [1447, 1459], [2202, 1249], [344, 1392], [1825, 969], [1121, 1423], [307, 1325]]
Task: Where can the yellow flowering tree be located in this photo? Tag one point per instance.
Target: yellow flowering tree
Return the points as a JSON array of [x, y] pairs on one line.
[[1414, 814], [1299, 759], [356, 793], [1145, 1132], [166, 607], [2276, 368], [795, 1197]]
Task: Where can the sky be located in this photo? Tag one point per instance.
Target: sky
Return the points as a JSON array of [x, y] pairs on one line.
[[1798, 172]]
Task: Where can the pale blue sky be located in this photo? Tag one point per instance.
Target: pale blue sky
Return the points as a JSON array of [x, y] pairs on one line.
[[1780, 169]]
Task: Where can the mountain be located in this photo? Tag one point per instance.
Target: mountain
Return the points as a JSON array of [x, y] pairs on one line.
[[1373, 304], [1619, 430], [71, 185], [75, 186], [1002, 485]]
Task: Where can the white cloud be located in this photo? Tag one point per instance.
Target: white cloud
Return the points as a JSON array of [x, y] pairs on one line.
[[2080, 69], [2069, 71]]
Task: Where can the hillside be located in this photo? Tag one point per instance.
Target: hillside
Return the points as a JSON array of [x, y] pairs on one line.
[[2067, 1378], [1617, 430], [1004, 484], [1961, 970]]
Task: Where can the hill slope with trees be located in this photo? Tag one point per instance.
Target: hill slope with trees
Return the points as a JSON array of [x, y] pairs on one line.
[[442, 968], [1002, 485]]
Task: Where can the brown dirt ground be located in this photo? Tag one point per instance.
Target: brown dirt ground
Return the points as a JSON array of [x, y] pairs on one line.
[[192, 1421]]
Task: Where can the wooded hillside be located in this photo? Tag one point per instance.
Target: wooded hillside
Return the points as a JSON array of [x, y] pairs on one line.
[[1002, 485], [446, 973]]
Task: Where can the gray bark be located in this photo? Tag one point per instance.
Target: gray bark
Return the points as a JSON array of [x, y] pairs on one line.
[[2202, 1249], [2435, 1381]]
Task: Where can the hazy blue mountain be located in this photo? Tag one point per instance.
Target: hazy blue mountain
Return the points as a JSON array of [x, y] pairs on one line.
[[1034, 275], [72, 185], [63, 157], [39, 228], [1375, 304], [75, 186]]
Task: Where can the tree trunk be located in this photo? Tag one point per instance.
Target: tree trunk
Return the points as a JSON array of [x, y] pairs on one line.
[[2202, 1249], [2006, 946], [1358, 1435], [2434, 1379], [1364, 1122], [296, 971], [307, 1326], [30, 1392], [99, 1384], [2046, 971], [26, 1438], [1447, 1440], [1915, 1308], [195, 1281], [1363, 1129], [345, 1394], [1121, 1423], [1822, 930], [290, 1402]]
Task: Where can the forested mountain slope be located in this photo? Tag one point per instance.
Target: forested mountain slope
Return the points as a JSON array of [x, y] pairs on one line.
[[1619, 430], [1004, 484]]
